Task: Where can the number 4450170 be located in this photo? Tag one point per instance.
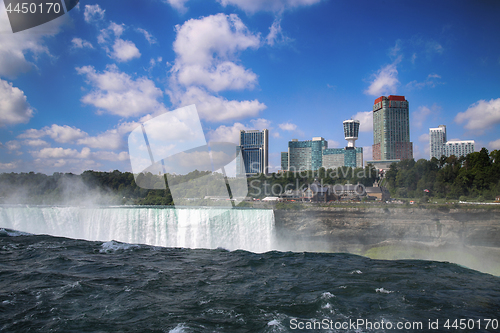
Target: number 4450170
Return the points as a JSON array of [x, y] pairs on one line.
[[471, 324], [31, 7]]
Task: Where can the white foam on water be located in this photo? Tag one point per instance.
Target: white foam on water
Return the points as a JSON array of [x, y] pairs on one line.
[[180, 328], [275, 326], [383, 291], [327, 295], [13, 233], [326, 306], [112, 246]]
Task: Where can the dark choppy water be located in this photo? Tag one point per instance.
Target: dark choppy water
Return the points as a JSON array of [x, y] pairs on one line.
[[50, 284]]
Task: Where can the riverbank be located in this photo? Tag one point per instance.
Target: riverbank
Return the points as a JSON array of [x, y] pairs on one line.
[[470, 237]]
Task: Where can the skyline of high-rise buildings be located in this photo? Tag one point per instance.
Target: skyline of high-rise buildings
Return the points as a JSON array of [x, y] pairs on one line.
[[391, 143], [314, 154]]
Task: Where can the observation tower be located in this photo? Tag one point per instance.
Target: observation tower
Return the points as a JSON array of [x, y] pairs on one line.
[[351, 131]]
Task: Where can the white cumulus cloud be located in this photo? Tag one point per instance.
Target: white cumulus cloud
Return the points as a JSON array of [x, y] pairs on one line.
[[288, 127], [61, 134], [125, 50], [59, 153], [227, 133], [117, 93], [17, 49], [207, 52], [93, 13], [150, 38], [14, 107], [121, 50], [10, 165], [260, 124], [111, 139], [110, 156], [179, 5], [217, 108], [206, 49], [79, 43], [385, 81], [480, 116], [365, 120], [495, 145], [36, 143], [13, 145]]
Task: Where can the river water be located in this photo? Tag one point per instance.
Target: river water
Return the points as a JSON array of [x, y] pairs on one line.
[[198, 270]]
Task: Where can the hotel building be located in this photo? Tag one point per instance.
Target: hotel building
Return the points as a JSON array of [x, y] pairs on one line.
[[458, 148], [437, 139], [305, 155], [313, 154], [391, 129], [439, 146]]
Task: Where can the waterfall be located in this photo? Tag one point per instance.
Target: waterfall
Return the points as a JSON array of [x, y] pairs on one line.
[[246, 229]]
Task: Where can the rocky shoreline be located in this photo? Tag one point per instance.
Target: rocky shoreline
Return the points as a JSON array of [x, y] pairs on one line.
[[470, 237]]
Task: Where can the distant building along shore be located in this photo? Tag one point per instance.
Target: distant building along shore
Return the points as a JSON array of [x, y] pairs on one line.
[[314, 154], [439, 146], [391, 131]]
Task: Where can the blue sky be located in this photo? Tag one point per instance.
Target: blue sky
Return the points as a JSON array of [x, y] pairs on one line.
[[73, 89]]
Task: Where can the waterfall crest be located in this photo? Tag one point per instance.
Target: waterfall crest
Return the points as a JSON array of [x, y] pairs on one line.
[[245, 229]]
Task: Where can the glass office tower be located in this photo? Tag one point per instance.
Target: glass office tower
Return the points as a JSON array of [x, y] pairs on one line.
[[254, 149], [306, 155], [284, 161]]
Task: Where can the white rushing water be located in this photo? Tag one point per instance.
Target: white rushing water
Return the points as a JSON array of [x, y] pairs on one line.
[[246, 229]]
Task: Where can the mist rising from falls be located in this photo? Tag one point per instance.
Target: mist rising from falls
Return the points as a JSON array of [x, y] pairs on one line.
[[246, 229]]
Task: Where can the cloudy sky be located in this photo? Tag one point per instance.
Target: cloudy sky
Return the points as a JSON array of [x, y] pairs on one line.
[[73, 89]]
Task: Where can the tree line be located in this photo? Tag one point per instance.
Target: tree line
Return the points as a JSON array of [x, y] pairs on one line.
[[116, 187], [476, 176], [473, 177]]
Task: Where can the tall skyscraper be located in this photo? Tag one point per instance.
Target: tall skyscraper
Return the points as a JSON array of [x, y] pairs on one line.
[[254, 149], [391, 129], [437, 139]]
